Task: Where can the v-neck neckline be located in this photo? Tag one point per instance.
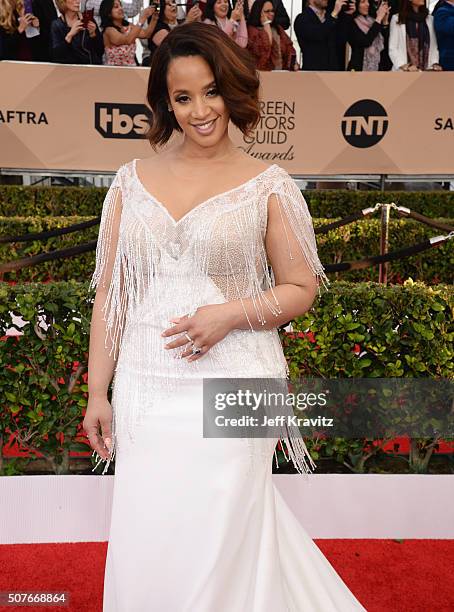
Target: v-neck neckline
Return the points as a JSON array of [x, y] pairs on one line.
[[176, 222]]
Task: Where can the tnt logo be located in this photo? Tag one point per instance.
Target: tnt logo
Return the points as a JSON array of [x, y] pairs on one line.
[[364, 124], [121, 120]]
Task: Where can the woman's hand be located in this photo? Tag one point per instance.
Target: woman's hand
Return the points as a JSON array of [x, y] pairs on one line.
[[436, 67], [145, 14], [382, 12], [238, 12], [99, 413], [207, 326], [338, 6], [194, 14], [76, 27], [25, 20], [91, 27]]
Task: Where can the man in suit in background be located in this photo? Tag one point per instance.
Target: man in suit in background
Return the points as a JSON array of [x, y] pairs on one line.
[[46, 11], [319, 33]]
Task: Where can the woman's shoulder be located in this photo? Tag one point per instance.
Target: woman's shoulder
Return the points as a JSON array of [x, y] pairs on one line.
[[58, 24], [124, 171], [161, 25], [268, 172]]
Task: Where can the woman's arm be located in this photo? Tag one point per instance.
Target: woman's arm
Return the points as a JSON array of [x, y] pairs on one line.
[[241, 37], [394, 51], [296, 285], [115, 38], [148, 31], [259, 46], [60, 46], [106, 323], [291, 249], [159, 37], [357, 38], [287, 49], [433, 44]]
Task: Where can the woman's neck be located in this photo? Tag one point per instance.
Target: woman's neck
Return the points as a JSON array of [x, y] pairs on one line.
[[117, 22], [189, 150], [71, 15]]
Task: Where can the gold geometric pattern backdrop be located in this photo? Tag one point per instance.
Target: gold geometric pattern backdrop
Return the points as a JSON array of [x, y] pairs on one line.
[[60, 117]]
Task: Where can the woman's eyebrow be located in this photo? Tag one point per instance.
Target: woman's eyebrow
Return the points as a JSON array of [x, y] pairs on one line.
[[185, 91]]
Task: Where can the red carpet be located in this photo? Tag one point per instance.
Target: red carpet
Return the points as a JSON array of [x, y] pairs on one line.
[[385, 575]]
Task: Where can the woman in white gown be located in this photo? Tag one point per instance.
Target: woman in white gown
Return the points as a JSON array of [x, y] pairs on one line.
[[184, 292]]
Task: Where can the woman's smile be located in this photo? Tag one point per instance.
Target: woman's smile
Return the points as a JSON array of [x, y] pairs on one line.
[[205, 128]]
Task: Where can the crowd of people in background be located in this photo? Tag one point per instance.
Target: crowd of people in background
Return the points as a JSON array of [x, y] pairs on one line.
[[359, 35]]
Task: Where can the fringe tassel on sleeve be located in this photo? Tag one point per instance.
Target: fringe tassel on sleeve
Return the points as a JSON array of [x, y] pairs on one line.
[[292, 203]]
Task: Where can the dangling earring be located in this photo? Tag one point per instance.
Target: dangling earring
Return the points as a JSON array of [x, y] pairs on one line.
[[170, 109]]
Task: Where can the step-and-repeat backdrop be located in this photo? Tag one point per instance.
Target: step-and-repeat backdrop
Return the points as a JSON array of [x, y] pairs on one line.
[[94, 118]]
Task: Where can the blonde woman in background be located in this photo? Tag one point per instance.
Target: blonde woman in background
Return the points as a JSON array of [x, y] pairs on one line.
[[72, 41], [15, 29]]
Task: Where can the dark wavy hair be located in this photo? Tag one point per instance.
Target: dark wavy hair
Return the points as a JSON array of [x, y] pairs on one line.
[[405, 8], [162, 8], [253, 18], [105, 12], [209, 10], [236, 77], [372, 9]]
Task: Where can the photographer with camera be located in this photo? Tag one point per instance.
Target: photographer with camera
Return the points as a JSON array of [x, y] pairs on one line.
[[168, 20], [368, 36], [120, 36], [231, 21], [321, 34], [131, 8], [75, 37], [268, 42]]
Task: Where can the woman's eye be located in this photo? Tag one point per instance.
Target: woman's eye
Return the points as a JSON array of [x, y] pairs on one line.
[[213, 92], [182, 99]]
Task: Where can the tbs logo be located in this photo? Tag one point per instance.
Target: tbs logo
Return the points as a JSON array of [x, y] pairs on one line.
[[364, 124], [121, 120]]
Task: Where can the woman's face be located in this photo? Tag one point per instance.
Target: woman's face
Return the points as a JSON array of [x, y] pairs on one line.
[[221, 8], [72, 5], [170, 11], [198, 107], [267, 12], [117, 11], [363, 7]]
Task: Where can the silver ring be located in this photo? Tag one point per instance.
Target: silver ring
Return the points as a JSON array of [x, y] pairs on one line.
[[189, 337], [196, 350]]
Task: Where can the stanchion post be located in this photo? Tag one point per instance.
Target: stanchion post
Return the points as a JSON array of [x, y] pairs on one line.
[[384, 240]]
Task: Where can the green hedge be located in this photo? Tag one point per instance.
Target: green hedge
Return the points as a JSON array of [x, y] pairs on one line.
[[356, 330], [348, 243], [70, 201]]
